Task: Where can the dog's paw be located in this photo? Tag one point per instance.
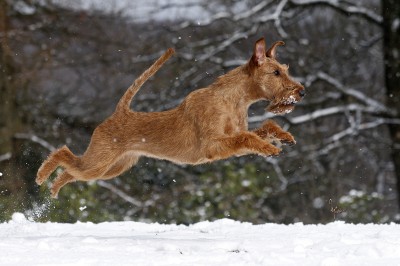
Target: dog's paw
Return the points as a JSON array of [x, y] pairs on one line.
[[41, 175], [54, 192], [286, 138], [271, 150], [275, 154], [40, 179], [288, 142]]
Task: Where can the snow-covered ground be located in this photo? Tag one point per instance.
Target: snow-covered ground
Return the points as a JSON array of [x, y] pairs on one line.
[[222, 242]]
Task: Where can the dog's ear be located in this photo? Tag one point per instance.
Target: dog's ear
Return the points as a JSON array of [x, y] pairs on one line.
[[259, 57], [271, 53]]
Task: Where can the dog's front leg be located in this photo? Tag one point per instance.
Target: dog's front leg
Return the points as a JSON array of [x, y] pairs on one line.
[[271, 130], [240, 144]]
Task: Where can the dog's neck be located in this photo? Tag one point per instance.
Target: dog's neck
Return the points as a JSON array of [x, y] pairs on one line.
[[236, 87]]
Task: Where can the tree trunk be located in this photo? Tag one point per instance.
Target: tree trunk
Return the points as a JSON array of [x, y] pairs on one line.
[[11, 181], [391, 28], [9, 120]]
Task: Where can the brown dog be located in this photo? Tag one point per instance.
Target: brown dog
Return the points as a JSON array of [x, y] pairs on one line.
[[210, 124]]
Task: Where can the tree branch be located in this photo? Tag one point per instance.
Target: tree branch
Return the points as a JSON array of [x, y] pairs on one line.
[[351, 9], [120, 193], [5, 157], [317, 114], [35, 139], [355, 93]]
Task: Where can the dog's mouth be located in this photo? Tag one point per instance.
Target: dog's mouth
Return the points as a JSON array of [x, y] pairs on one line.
[[283, 106], [291, 101]]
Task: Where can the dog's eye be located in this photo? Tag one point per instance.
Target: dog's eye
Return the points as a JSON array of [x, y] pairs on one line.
[[276, 73]]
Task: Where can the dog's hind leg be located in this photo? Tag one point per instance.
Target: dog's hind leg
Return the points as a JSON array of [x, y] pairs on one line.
[[61, 157], [61, 180], [122, 165], [93, 173]]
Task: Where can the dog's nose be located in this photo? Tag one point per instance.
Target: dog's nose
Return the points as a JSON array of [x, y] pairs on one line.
[[302, 93]]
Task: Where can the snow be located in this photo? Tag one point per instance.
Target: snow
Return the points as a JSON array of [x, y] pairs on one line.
[[144, 10], [197, 11], [222, 242]]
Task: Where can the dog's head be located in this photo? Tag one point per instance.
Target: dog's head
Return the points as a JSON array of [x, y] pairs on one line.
[[272, 81]]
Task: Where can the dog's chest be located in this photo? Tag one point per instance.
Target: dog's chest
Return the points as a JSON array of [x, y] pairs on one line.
[[235, 123]]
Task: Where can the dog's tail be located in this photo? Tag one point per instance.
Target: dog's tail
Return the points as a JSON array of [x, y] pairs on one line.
[[125, 102]]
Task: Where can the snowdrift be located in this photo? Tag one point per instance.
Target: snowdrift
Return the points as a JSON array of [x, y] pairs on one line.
[[222, 242]]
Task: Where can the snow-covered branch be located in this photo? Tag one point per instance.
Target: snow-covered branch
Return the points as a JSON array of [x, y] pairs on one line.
[[275, 164], [341, 109], [35, 139], [355, 93], [334, 141], [137, 203], [228, 15], [5, 157], [120, 193], [355, 128], [341, 7], [331, 111]]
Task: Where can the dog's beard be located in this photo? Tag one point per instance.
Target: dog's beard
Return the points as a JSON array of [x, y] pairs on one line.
[[282, 107]]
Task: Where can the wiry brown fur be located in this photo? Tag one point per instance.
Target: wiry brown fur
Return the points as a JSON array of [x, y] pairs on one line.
[[210, 124]]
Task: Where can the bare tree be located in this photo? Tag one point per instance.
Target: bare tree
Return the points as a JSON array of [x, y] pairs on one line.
[[343, 123], [77, 64], [10, 121], [391, 44]]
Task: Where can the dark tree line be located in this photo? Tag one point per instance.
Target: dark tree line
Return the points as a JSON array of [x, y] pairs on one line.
[[391, 50], [62, 72]]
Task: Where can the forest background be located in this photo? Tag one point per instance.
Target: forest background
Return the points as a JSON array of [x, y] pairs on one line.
[[65, 64]]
